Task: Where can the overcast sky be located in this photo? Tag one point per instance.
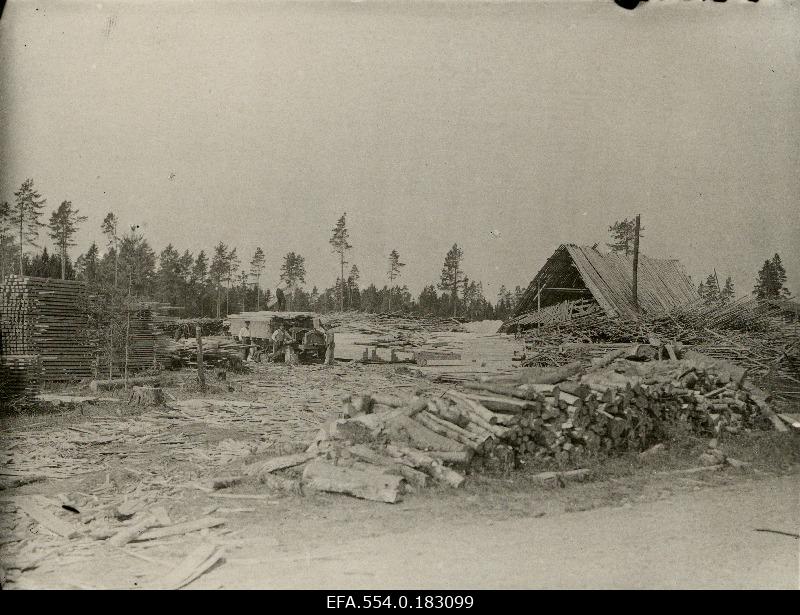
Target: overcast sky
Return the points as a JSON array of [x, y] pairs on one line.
[[508, 129]]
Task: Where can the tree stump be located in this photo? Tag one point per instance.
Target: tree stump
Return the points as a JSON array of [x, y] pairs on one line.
[[146, 396]]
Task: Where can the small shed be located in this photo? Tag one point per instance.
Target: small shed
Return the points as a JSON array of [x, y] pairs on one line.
[[581, 280]]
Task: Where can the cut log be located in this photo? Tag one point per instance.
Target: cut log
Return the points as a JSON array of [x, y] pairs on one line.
[[501, 389], [442, 408], [414, 477], [760, 399], [277, 463], [478, 414], [362, 483], [427, 463], [453, 432], [405, 428], [459, 458], [503, 404]]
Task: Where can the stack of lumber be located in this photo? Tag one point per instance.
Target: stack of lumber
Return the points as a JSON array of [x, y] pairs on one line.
[[47, 317], [217, 350], [20, 377]]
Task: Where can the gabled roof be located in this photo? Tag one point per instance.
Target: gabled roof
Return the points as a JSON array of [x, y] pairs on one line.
[[662, 283]]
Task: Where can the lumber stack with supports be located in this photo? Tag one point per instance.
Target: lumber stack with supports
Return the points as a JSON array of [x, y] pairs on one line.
[[49, 318]]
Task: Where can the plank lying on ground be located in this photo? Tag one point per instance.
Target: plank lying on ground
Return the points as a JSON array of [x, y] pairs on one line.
[[362, 483], [33, 507], [180, 528], [277, 463], [192, 566]]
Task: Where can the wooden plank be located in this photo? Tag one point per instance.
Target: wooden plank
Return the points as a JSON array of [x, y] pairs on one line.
[[33, 507]]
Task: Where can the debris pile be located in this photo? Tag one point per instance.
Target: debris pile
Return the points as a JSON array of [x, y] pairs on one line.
[[748, 332]]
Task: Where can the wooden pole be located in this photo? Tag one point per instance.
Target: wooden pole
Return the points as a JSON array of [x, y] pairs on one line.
[[636, 264], [201, 374], [127, 344]]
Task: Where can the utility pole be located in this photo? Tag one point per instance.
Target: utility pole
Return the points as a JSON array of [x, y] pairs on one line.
[[636, 264]]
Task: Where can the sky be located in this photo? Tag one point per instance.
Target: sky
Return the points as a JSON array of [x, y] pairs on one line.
[[508, 128]]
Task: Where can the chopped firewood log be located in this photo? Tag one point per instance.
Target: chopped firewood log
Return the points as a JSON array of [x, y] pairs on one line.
[[500, 389], [414, 477], [448, 430], [428, 464], [450, 413], [362, 482], [504, 404], [458, 458], [405, 428], [277, 463]]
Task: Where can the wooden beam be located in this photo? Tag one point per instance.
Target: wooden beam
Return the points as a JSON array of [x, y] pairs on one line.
[[636, 263]]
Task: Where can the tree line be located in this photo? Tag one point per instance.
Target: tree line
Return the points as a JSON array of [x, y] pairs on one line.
[[219, 282]]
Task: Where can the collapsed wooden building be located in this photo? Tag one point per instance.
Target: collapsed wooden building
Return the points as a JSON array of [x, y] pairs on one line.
[[580, 281]]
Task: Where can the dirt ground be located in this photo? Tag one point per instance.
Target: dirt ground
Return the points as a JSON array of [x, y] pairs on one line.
[[626, 527]]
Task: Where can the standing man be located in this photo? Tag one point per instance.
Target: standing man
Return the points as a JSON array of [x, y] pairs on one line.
[[278, 341], [244, 338], [281, 299]]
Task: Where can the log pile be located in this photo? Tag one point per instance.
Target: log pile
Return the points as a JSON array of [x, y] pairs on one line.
[[49, 318], [222, 351]]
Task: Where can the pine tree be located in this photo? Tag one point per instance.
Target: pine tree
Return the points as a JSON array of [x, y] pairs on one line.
[[712, 291], [87, 265], [780, 276], [340, 246], [63, 226], [728, 292], [622, 235], [219, 267], [394, 272], [352, 285], [451, 278], [257, 265], [109, 228], [293, 273], [771, 280], [6, 239], [25, 217]]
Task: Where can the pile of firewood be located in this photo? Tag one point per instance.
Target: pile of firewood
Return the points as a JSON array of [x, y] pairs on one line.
[[384, 446]]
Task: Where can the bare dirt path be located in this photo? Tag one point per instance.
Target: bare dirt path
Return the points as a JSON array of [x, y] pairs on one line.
[[704, 539]]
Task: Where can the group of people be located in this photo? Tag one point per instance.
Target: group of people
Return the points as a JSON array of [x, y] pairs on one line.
[[251, 351]]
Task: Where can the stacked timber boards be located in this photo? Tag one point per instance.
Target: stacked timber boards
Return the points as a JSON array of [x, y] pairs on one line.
[[49, 318]]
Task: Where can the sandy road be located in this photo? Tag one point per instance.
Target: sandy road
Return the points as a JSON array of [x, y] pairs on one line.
[[705, 539]]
